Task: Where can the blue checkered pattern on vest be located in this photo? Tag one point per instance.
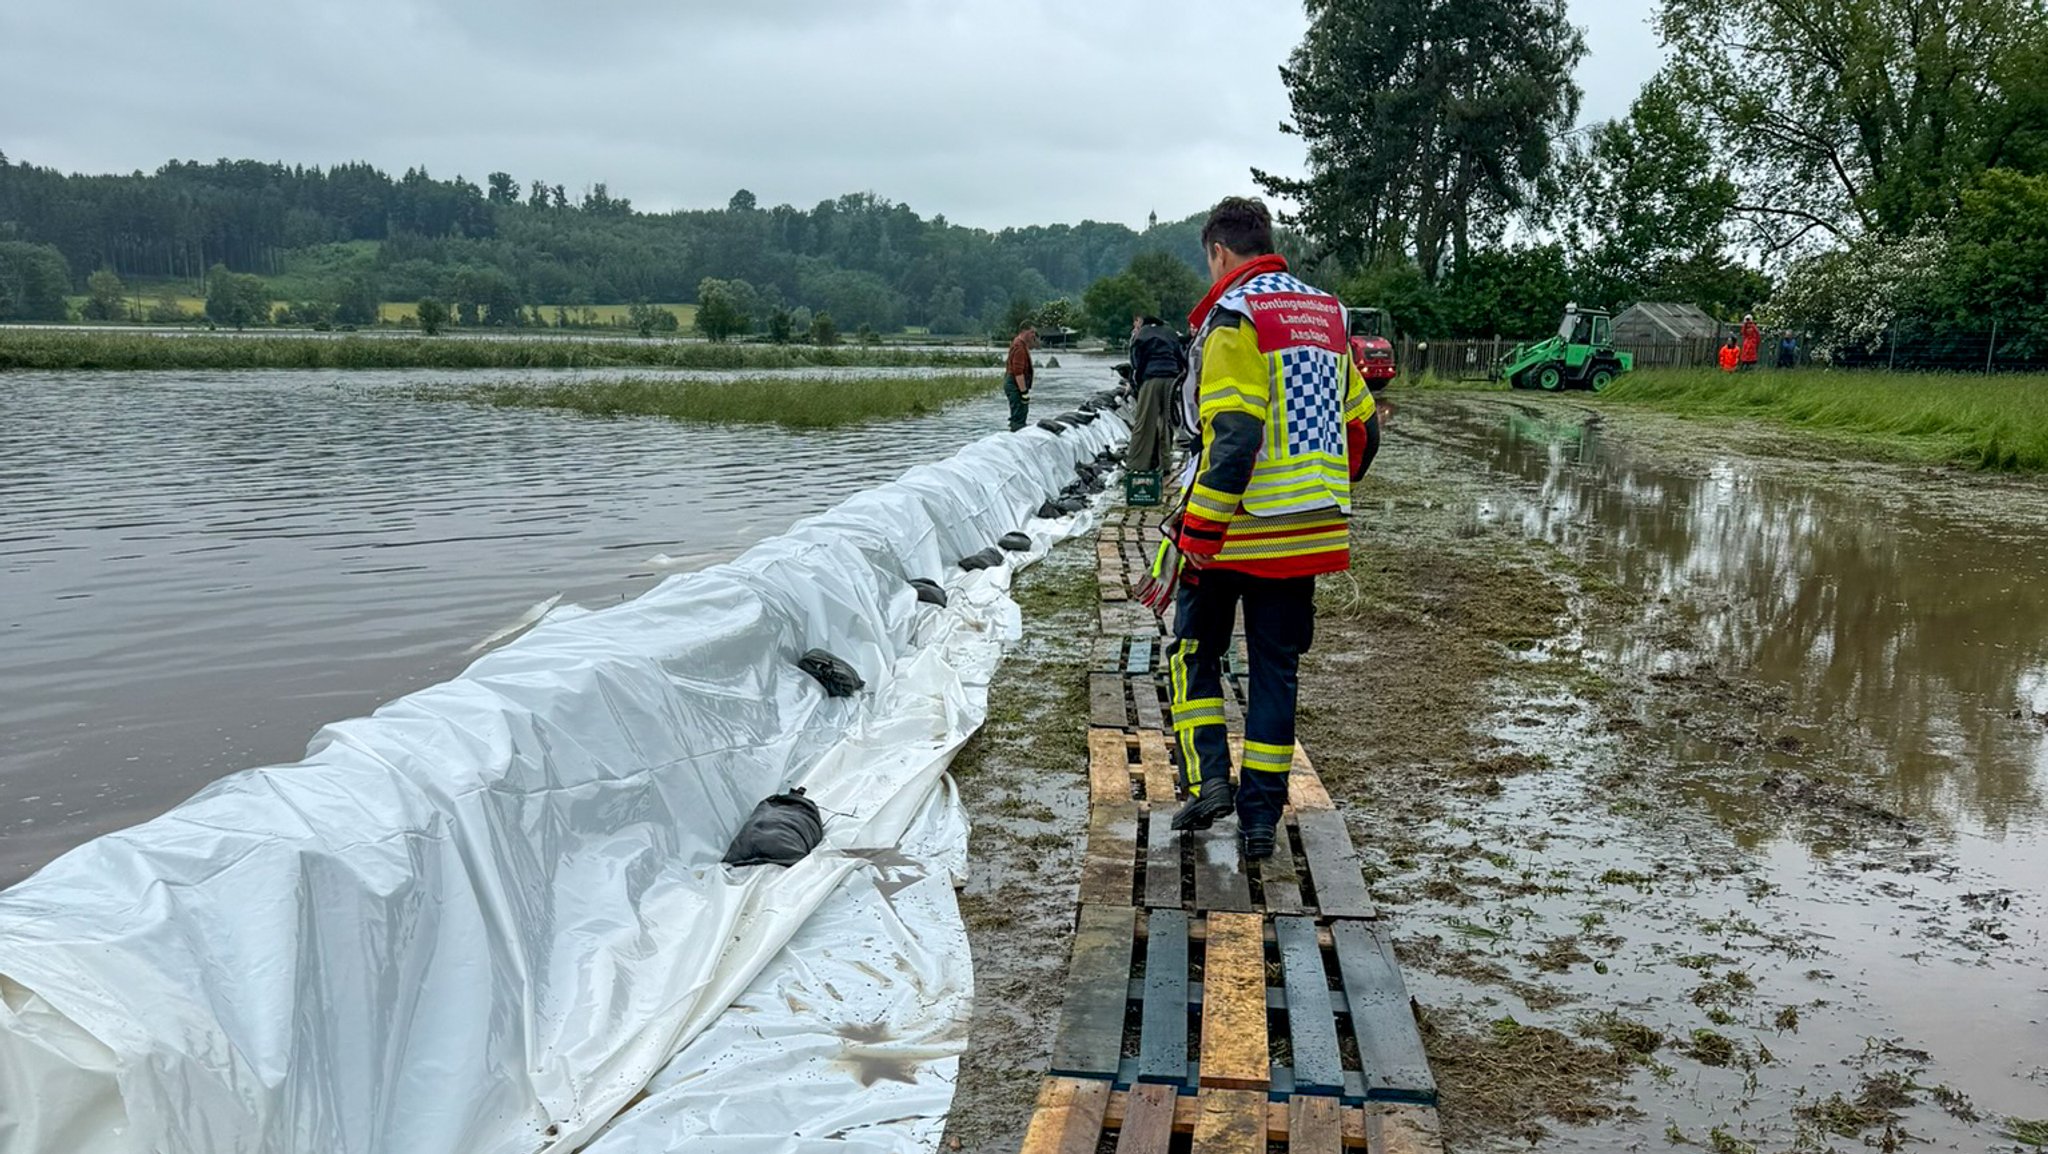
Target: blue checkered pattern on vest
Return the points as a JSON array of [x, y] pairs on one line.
[[1315, 402]]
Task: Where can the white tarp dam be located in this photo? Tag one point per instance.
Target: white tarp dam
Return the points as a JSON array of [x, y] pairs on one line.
[[491, 917]]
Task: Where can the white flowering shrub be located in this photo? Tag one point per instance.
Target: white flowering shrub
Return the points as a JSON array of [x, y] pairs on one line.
[[1848, 298]]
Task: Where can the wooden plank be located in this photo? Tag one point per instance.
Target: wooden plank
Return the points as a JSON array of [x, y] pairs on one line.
[[1280, 877], [1091, 1033], [1069, 1117], [1111, 591], [1382, 1020], [1311, 1021], [1141, 654], [1162, 860], [1220, 880], [1163, 1037], [1109, 873], [1146, 1124], [1230, 1122], [1278, 1119], [1233, 1051], [1109, 766], [1333, 865], [1147, 707], [1314, 1125], [1401, 1129], [1152, 754], [1106, 701], [1304, 785], [1108, 655], [1107, 550]]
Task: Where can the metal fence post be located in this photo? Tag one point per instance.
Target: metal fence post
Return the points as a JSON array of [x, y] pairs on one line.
[[1891, 344], [1991, 349]]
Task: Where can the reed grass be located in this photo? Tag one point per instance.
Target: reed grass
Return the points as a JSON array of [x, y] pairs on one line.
[[795, 403], [1995, 423], [56, 349]]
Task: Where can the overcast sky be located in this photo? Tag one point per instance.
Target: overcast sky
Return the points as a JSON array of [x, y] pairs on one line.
[[994, 114]]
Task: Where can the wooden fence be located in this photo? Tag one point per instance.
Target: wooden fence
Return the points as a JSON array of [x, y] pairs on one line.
[[1474, 360]]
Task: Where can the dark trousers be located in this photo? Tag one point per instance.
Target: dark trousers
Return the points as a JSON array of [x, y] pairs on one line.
[[1150, 444], [1020, 403], [1279, 626]]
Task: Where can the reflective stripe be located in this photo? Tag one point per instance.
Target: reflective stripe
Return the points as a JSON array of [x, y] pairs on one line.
[[1266, 758], [1209, 503], [1177, 687], [1195, 714]]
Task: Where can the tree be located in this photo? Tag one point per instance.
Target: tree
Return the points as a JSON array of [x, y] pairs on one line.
[[1429, 123], [1059, 313], [236, 299], [357, 302], [823, 330], [33, 281], [166, 310], [537, 195], [742, 201], [1174, 285], [504, 190], [433, 315], [105, 297], [1022, 312], [720, 315], [1650, 211], [780, 326], [1858, 115], [648, 319], [1110, 303]]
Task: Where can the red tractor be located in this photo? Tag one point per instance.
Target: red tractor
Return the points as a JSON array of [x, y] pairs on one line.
[[1372, 345]]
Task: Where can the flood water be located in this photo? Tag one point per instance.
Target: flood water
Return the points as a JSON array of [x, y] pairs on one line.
[[1894, 641], [197, 571]]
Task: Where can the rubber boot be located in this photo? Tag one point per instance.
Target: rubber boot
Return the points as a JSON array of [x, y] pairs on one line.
[[1218, 800], [1258, 843]]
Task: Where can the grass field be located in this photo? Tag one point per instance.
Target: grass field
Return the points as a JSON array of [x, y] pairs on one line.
[[1996, 423], [50, 349], [796, 404], [401, 312]]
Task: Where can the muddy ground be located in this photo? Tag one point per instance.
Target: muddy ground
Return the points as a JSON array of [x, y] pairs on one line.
[[1700, 770]]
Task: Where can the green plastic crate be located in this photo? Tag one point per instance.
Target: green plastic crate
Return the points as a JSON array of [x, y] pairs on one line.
[[1141, 487]]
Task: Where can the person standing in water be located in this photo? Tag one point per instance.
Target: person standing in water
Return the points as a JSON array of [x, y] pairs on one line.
[[1018, 375]]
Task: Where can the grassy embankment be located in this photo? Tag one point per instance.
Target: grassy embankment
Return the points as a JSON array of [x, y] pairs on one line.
[[132, 351], [791, 403], [400, 312], [1996, 423]]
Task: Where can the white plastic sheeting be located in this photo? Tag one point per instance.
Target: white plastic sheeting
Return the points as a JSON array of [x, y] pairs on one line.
[[491, 916]]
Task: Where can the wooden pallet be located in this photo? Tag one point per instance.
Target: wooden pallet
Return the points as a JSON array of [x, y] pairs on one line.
[[1081, 1116], [1214, 1005], [1135, 858]]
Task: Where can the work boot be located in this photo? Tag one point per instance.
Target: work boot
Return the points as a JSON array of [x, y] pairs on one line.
[[1258, 842], [1219, 799]]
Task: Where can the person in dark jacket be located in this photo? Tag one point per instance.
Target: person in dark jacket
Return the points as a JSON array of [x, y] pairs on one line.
[[1157, 361]]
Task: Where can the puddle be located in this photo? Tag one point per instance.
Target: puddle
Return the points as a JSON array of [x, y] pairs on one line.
[[1811, 858]]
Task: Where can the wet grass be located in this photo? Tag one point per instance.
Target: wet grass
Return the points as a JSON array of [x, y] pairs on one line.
[[803, 403], [1994, 423], [48, 349], [1505, 1077], [2027, 1131]]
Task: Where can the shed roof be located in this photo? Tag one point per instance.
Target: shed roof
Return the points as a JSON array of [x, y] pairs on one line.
[[1674, 320]]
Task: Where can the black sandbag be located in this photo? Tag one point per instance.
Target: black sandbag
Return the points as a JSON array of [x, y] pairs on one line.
[[1052, 426], [928, 591], [838, 678], [1015, 543], [988, 558], [1085, 471], [1071, 505], [1050, 510], [780, 831], [1077, 417]]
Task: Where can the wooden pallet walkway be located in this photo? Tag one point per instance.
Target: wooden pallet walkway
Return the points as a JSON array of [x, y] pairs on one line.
[[1215, 1005]]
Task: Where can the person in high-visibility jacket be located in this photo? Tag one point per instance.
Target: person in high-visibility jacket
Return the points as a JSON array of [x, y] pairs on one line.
[[1286, 425]]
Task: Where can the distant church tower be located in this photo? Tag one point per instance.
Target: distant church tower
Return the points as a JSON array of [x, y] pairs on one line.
[[1152, 221]]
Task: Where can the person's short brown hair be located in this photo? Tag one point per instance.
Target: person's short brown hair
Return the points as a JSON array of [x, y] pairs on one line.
[[1240, 224]]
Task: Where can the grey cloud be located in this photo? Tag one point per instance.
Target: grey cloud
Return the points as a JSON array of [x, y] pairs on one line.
[[994, 114]]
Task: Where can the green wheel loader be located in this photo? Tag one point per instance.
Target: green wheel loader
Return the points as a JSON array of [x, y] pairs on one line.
[[1581, 356]]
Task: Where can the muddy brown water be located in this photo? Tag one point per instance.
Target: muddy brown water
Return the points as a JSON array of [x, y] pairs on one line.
[[1888, 645], [197, 571]]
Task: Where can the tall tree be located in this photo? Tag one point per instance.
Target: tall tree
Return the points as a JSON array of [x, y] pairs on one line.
[[504, 189], [104, 297], [1845, 116], [1429, 123]]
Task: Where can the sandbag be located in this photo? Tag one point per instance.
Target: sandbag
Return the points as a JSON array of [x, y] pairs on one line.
[[838, 678], [1015, 543], [988, 558], [1071, 505], [928, 591], [1052, 426], [782, 830], [1050, 510]]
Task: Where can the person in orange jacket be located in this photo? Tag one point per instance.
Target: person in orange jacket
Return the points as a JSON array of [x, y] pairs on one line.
[[1752, 342], [1731, 359]]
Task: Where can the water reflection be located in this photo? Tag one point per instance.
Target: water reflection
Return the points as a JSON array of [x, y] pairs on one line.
[[1912, 645], [199, 570]]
